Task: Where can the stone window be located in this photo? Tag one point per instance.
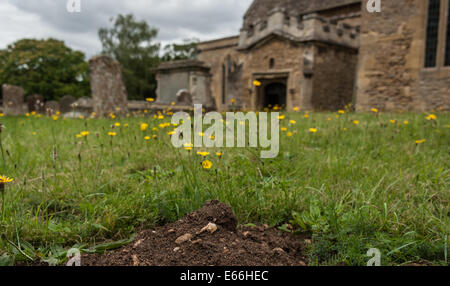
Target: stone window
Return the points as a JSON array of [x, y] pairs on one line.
[[434, 8], [224, 78], [271, 63], [447, 45], [229, 64]]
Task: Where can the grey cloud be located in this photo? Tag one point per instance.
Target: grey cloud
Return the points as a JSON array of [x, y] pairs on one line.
[[175, 19]]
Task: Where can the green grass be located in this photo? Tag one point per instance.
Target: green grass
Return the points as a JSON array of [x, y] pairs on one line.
[[352, 187]]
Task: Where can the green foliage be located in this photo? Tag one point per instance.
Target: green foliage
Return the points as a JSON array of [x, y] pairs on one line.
[[131, 42], [187, 50], [45, 67]]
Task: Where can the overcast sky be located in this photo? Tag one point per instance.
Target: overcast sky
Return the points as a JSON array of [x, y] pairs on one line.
[[175, 19]]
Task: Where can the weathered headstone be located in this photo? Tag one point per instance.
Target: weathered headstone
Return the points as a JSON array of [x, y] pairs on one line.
[[65, 103], [12, 99], [51, 107], [35, 103], [108, 90], [83, 104]]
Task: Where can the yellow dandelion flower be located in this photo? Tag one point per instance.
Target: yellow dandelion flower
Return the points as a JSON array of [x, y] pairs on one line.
[[281, 117], [296, 109], [289, 134], [203, 154], [5, 180], [126, 125], [85, 133], [233, 101], [33, 133], [27, 115], [207, 164], [144, 126], [306, 116], [431, 117], [356, 122], [147, 138], [293, 122], [341, 111], [79, 136], [392, 121], [2, 115], [406, 122], [256, 83], [33, 113], [374, 110], [418, 142], [150, 99], [112, 134], [284, 129], [313, 130], [219, 154], [117, 124]]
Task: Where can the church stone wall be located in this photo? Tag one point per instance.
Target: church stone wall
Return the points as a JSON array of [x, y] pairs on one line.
[[391, 72], [334, 77]]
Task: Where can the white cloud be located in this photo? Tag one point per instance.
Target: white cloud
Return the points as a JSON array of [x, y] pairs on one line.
[[175, 19]]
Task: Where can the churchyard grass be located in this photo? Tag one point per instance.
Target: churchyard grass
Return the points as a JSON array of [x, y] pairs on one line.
[[353, 181]]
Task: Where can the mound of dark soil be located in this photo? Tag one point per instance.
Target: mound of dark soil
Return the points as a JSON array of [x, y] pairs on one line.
[[207, 237]]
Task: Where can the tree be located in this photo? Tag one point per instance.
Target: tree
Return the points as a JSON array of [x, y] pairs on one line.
[[187, 50], [45, 67], [131, 42]]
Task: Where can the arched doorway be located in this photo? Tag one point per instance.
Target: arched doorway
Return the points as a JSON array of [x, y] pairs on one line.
[[275, 94]]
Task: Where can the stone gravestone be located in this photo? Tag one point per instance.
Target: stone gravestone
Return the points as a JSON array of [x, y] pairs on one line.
[[65, 103], [13, 99], [35, 103], [108, 90], [51, 107]]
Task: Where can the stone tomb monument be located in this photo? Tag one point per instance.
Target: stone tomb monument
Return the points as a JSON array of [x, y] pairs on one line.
[[108, 90]]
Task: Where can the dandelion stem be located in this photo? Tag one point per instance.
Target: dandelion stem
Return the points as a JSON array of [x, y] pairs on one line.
[[3, 154]]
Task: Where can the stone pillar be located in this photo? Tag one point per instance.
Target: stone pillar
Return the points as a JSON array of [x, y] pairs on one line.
[[13, 100], [108, 90]]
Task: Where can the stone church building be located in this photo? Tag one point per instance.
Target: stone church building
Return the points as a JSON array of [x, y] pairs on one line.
[[322, 55]]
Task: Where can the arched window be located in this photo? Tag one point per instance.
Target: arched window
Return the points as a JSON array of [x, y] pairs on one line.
[[271, 63], [229, 64], [224, 78], [434, 9]]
